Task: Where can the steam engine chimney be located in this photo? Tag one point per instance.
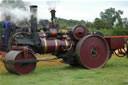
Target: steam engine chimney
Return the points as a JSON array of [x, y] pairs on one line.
[[33, 9], [53, 16]]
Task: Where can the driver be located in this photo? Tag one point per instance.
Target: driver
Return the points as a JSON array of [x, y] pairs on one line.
[[7, 25]]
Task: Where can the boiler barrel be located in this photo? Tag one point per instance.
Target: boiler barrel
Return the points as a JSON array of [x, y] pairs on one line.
[[54, 45]]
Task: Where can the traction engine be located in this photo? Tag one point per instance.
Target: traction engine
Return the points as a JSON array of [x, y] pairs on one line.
[[76, 47]]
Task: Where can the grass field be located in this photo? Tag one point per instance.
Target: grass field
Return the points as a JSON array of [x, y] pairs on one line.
[[115, 72]]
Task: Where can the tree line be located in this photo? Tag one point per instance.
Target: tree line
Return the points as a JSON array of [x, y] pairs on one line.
[[110, 21]]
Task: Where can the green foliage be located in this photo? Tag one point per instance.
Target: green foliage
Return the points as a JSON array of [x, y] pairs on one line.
[[112, 16], [91, 29], [111, 22], [125, 23], [100, 24], [107, 32], [120, 31], [89, 24], [64, 23], [43, 22]]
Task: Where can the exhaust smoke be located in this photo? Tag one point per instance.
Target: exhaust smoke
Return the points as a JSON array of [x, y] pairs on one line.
[[52, 4]]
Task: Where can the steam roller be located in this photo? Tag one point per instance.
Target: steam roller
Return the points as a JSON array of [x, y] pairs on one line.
[[15, 62], [76, 47]]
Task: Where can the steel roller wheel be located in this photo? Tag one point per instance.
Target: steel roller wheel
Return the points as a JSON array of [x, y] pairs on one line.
[[92, 52], [19, 68]]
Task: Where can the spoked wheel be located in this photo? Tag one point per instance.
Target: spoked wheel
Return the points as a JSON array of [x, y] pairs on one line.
[[19, 68], [13, 40], [92, 52]]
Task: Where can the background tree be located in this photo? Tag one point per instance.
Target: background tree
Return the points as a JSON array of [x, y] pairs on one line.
[[43, 23], [101, 24], [64, 23], [89, 24], [112, 16], [125, 23]]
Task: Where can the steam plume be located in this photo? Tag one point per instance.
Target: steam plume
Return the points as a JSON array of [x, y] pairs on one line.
[[17, 14], [52, 4]]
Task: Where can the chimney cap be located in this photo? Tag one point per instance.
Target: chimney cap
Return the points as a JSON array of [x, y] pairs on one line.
[[34, 6], [53, 10]]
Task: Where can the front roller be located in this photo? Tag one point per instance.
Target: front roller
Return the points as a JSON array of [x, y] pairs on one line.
[[15, 62], [92, 51]]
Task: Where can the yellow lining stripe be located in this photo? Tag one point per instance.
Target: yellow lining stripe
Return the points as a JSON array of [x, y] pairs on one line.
[[56, 44], [66, 42], [45, 45]]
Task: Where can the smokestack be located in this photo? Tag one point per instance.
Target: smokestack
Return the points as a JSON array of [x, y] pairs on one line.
[[33, 9], [53, 16]]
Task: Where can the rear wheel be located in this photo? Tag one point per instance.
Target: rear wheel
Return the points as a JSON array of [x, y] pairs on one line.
[[92, 52]]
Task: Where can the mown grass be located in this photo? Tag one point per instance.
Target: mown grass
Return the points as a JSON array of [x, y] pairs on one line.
[[115, 72]]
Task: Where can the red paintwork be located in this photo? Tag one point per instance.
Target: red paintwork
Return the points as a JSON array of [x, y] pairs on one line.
[[53, 32], [19, 47], [115, 42], [51, 45], [54, 45], [19, 68], [124, 36], [87, 58], [27, 68], [26, 53], [79, 32], [25, 49]]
